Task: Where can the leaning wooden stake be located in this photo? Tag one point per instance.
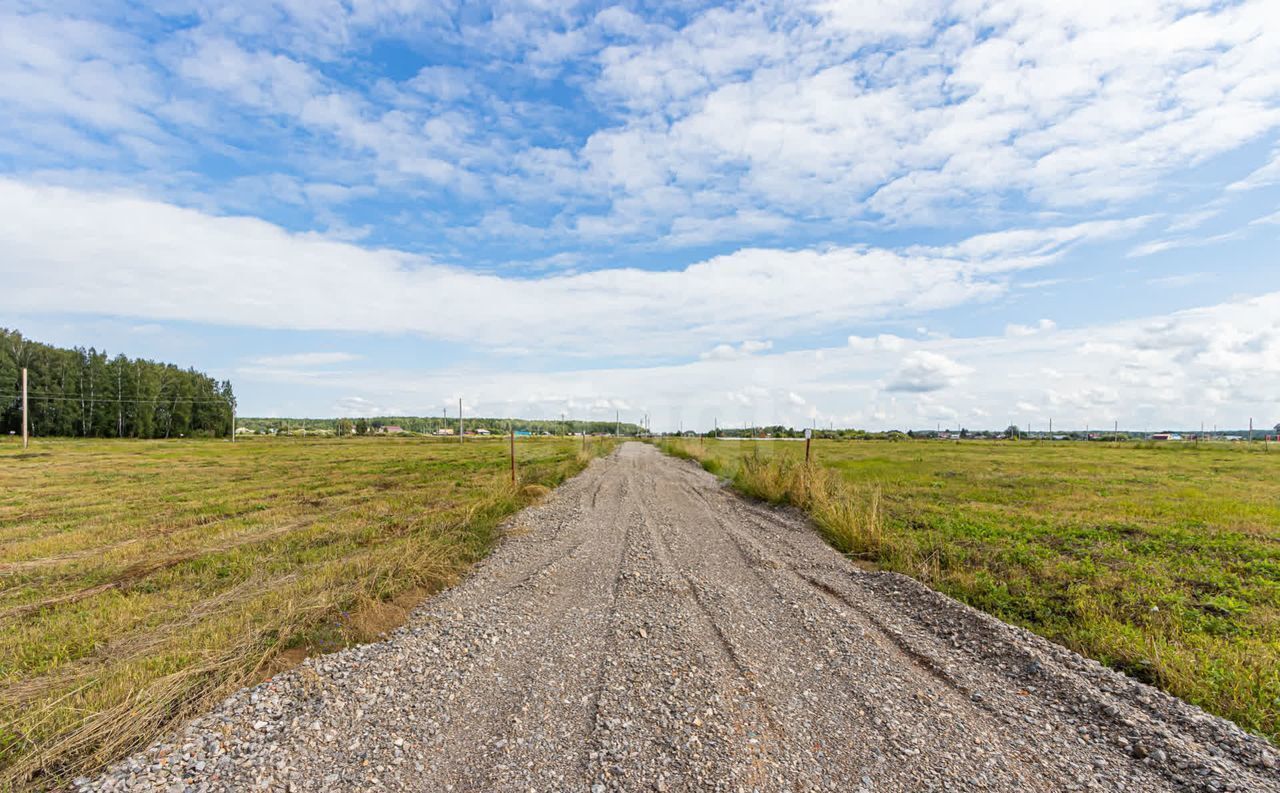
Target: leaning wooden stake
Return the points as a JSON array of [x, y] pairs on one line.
[[24, 407], [512, 431]]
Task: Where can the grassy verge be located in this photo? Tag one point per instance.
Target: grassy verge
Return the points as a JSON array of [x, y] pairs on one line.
[[141, 582], [1160, 560]]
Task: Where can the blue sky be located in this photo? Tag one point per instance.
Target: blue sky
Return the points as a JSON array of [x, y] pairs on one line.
[[866, 213]]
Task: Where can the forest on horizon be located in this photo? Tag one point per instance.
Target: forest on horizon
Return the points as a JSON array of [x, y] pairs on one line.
[[88, 393]]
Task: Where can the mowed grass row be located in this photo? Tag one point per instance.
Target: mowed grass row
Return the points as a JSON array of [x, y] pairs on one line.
[[142, 581], [1162, 561]]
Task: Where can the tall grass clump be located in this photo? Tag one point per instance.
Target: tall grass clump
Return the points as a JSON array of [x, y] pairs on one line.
[[848, 514]]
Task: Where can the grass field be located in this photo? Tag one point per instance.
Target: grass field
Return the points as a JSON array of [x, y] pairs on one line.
[[1162, 561], [142, 581]]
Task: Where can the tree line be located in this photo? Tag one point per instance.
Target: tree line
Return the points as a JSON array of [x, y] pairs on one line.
[[87, 393], [427, 425]]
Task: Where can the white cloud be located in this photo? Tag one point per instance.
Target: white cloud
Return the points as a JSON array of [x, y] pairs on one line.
[[923, 371], [885, 341], [1177, 281], [1160, 246], [728, 352], [1043, 326], [742, 123], [1219, 364], [777, 124], [969, 101], [1265, 176], [76, 251], [1267, 220], [1038, 244], [76, 88], [359, 407], [1193, 220], [270, 82], [304, 359]]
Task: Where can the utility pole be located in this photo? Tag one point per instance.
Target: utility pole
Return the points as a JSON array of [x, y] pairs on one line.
[[24, 407], [460, 427], [617, 423], [1250, 429], [511, 429], [233, 422], [1117, 431]]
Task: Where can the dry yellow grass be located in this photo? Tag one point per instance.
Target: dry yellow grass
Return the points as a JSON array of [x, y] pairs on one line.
[[849, 514], [142, 581]]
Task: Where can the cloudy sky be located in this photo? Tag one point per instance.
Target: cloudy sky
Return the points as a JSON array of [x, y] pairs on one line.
[[872, 213]]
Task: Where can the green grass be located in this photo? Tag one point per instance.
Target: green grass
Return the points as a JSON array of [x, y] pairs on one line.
[[1162, 561], [142, 581]]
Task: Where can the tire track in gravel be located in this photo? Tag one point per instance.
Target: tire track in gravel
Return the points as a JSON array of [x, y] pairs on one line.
[[645, 629], [752, 720], [919, 704]]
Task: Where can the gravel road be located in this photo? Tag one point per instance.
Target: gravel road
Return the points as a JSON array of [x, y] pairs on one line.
[[645, 629]]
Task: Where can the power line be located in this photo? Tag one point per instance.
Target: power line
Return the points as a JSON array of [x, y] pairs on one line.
[[95, 398]]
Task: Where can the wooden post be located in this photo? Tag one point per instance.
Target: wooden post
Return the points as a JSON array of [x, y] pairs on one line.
[[233, 422], [460, 427], [24, 407], [512, 430], [808, 439]]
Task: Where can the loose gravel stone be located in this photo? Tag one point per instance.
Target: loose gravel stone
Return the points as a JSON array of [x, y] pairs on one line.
[[645, 629]]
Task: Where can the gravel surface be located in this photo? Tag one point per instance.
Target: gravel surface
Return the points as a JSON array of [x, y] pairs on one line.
[[645, 629]]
